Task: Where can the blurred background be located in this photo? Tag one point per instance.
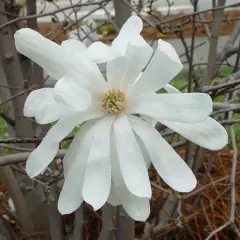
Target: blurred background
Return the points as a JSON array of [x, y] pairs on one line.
[[206, 35]]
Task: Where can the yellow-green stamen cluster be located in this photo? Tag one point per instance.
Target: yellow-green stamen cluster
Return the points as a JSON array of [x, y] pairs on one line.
[[113, 101]]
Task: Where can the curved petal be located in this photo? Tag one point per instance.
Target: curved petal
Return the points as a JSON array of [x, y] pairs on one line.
[[97, 180], [53, 58], [40, 158], [71, 195], [69, 93], [209, 134], [80, 51], [130, 32], [137, 208], [131, 161], [163, 67], [77, 48], [100, 52], [169, 165], [42, 105], [182, 107], [123, 71], [44, 52]]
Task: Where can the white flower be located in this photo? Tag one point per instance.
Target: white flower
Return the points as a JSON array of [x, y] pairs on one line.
[[110, 154]]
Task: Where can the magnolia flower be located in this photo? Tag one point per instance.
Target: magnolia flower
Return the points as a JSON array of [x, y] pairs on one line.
[[110, 154]]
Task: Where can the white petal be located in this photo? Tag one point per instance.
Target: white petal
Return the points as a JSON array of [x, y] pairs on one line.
[[69, 93], [97, 181], [132, 26], [137, 208], [144, 152], [125, 70], [129, 31], [42, 105], [113, 197], [79, 50], [182, 107], [132, 164], [169, 165], [208, 134], [70, 156], [164, 66], [40, 158], [115, 72], [35, 98], [170, 89], [71, 195], [149, 120], [53, 58], [44, 52], [100, 52]]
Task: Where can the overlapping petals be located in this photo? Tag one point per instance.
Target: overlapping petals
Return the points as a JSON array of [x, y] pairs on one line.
[[110, 154], [129, 34]]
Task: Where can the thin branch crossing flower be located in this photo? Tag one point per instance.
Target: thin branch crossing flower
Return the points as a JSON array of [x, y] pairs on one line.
[[110, 154]]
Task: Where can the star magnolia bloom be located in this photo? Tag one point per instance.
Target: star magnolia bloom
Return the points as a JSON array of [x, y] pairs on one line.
[[110, 154]]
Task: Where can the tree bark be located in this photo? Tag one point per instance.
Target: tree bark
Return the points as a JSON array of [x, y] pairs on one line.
[[14, 191], [14, 77], [125, 225], [108, 213], [122, 12]]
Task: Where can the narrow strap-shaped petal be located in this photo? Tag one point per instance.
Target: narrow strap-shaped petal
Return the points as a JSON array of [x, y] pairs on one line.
[[97, 181], [131, 161], [183, 107], [71, 195], [56, 60], [208, 134], [136, 207], [163, 67], [169, 165], [40, 158]]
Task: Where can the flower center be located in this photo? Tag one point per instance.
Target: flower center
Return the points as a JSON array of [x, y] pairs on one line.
[[113, 101]]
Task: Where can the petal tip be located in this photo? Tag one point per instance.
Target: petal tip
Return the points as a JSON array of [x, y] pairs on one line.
[[187, 186]]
